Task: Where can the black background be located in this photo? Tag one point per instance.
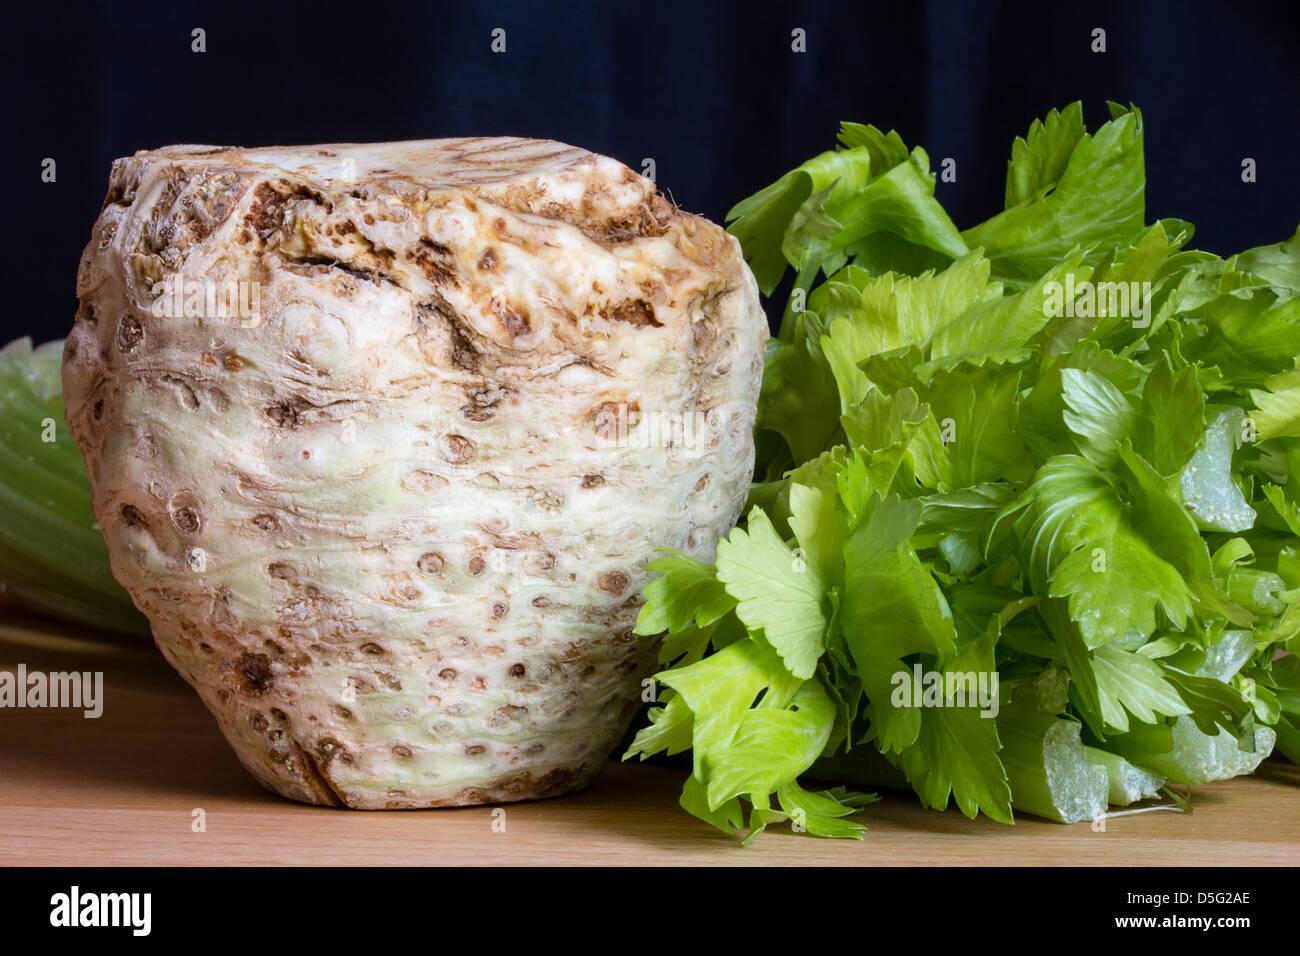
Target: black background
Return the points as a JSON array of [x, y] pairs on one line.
[[711, 91]]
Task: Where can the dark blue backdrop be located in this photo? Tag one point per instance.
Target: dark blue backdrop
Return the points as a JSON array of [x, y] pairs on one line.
[[711, 91]]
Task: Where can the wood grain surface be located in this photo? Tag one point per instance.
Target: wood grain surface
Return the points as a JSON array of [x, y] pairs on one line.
[[122, 790]]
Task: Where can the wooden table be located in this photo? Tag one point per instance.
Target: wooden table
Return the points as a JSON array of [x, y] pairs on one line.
[[122, 790]]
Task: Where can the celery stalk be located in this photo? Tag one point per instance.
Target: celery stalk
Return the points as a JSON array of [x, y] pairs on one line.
[[1128, 784], [1049, 771], [1196, 758], [52, 557]]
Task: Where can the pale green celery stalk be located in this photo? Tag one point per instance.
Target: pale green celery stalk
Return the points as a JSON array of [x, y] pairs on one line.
[[1048, 769], [1128, 784], [52, 556], [1195, 757]]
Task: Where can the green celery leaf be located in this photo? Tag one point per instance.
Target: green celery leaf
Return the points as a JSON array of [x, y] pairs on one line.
[[956, 749], [884, 252], [874, 315], [970, 510], [892, 607], [821, 812], [1079, 542], [1250, 333], [886, 150], [1130, 682], [900, 202], [1042, 415], [1213, 703], [962, 521], [669, 731], [761, 221], [1171, 417], [720, 690], [689, 591], [1039, 160], [880, 428], [1278, 264], [687, 645], [1008, 322], [728, 818], [1277, 407], [975, 607], [978, 411], [809, 225], [1097, 203], [819, 527], [1171, 533], [1136, 292], [772, 746], [1288, 511], [1097, 413], [777, 593], [798, 398]]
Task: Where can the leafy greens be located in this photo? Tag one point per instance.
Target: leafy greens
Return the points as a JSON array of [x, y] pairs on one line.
[[1058, 448]]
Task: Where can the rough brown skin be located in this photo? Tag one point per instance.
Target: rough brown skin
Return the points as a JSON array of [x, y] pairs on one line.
[[394, 527]]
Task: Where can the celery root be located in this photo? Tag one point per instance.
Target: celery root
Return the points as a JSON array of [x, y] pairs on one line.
[[392, 523]]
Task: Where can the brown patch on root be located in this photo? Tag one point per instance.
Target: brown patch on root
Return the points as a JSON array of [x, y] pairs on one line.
[[249, 674], [266, 211], [637, 312], [129, 334], [514, 319], [293, 411], [483, 401], [650, 219], [431, 562], [356, 271], [614, 582], [464, 352], [435, 261], [133, 518]]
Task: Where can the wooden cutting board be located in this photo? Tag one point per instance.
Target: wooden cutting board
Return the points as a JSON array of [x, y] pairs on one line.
[[126, 788]]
